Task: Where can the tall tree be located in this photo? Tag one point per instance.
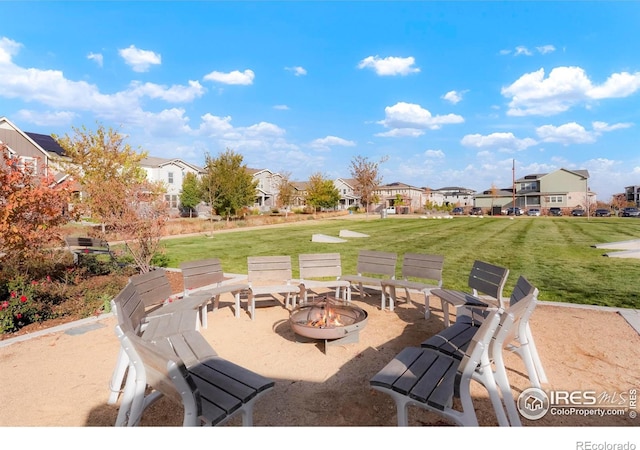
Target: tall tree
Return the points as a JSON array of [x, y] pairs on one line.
[[286, 192], [32, 208], [367, 178], [100, 161], [191, 193], [227, 185], [322, 192]]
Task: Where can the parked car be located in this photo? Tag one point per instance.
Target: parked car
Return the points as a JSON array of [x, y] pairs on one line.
[[533, 212], [188, 212], [457, 211], [578, 212], [475, 211], [631, 212], [602, 212], [514, 211], [555, 211]]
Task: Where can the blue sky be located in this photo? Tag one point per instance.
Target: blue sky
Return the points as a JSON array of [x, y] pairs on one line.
[[450, 92]]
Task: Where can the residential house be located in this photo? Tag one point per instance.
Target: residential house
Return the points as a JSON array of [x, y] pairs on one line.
[[455, 196], [300, 194], [39, 151], [348, 197], [562, 188], [433, 197], [170, 172], [632, 194], [267, 188], [400, 198]]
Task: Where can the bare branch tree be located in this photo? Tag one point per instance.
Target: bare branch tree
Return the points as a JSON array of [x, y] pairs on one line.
[[367, 179]]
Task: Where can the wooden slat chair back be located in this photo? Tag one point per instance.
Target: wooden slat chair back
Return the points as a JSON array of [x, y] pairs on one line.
[[269, 268], [486, 282], [372, 267], [488, 279], [153, 287], [130, 309], [155, 290], [200, 273], [269, 275], [206, 277], [421, 272], [322, 270], [373, 263], [430, 379]]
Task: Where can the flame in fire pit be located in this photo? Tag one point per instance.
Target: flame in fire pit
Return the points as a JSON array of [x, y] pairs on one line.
[[326, 317]]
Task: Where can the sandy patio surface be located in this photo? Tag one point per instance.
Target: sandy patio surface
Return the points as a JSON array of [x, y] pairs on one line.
[[62, 379]]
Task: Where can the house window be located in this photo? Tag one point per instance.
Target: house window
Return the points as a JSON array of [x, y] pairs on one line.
[[172, 200], [170, 177], [26, 163], [555, 199]]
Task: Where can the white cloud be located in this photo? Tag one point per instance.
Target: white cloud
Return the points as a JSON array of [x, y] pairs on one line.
[[97, 57], [8, 48], [569, 133], [281, 107], [533, 94], [500, 141], [401, 132], [439, 154], [264, 129], [297, 70], [391, 65], [544, 49], [47, 118], [326, 143], [409, 115], [573, 133], [522, 50], [221, 128], [454, 96], [233, 77], [617, 85], [139, 60], [603, 126], [173, 94]]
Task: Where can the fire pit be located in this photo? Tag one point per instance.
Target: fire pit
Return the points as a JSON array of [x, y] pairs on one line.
[[328, 319]]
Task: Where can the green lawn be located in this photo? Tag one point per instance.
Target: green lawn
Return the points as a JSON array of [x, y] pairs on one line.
[[554, 253]]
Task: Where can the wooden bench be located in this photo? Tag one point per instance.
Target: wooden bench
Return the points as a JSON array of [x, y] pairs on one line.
[[372, 267], [169, 312], [181, 365], [206, 277], [430, 379], [322, 271], [486, 279], [420, 272], [454, 339], [269, 275], [130, 305], [81, 245]]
